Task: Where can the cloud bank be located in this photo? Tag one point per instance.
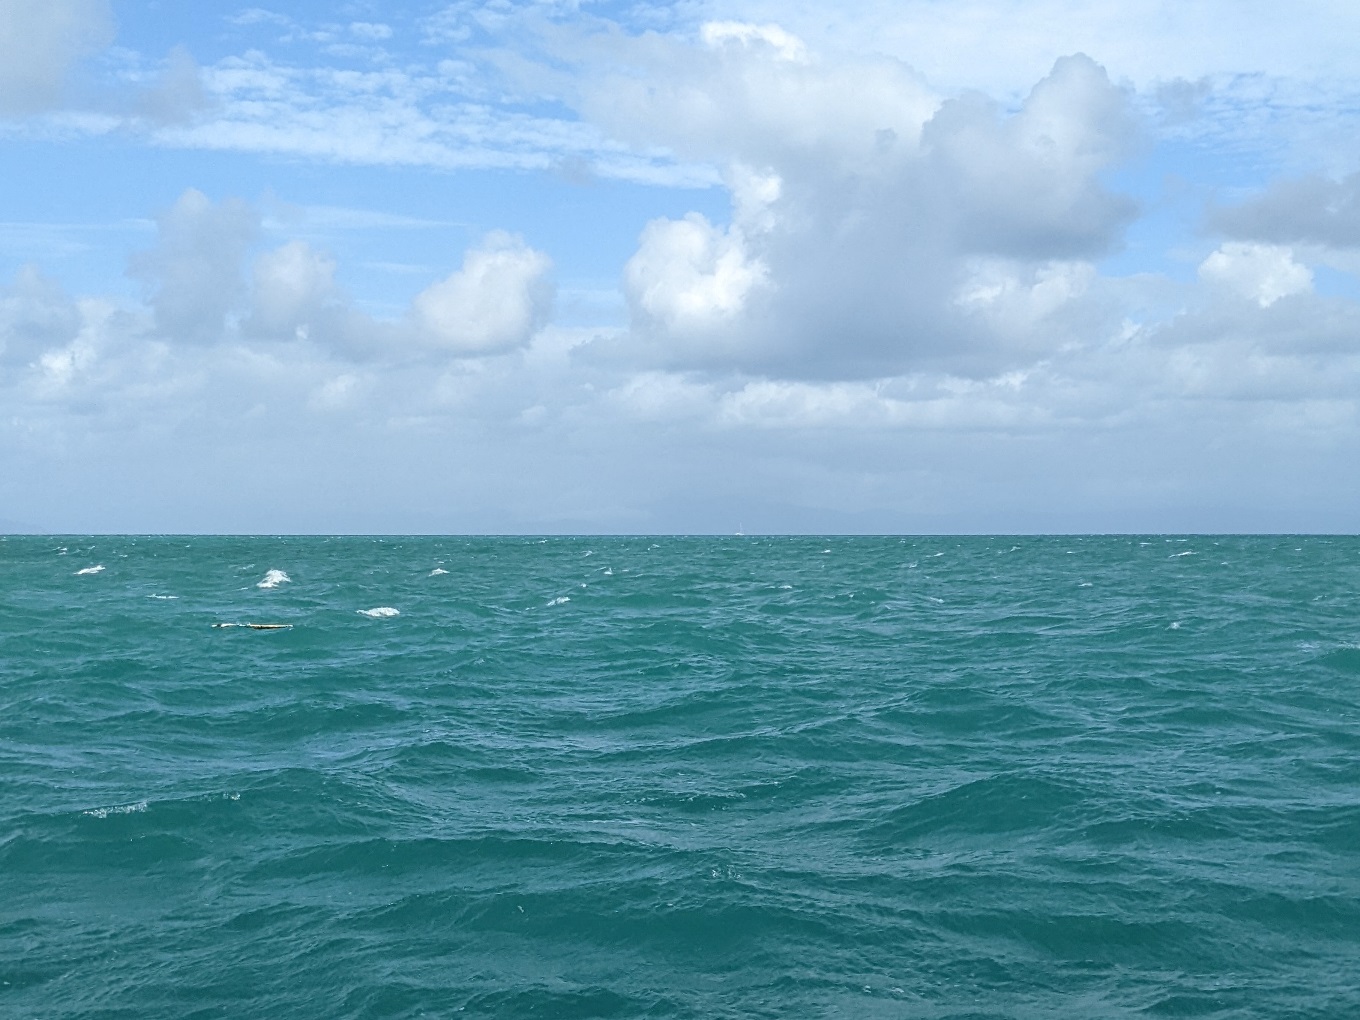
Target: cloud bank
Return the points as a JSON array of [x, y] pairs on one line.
[[907, 300]]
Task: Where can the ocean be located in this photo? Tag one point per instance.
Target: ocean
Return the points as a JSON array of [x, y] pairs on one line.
[[1010, 777]]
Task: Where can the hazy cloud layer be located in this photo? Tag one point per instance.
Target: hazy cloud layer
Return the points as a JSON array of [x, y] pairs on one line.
[[1314, 210], [40, 40]]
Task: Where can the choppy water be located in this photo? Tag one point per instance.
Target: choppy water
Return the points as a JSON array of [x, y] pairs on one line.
[[677, 777]]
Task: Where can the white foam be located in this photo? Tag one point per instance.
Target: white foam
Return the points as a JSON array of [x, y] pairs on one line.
[[1176, 625], [561, 600], [90, 570], [126, 809], [438, 572], [380, 612], [273, 579], [1178, 555], [163, 598]]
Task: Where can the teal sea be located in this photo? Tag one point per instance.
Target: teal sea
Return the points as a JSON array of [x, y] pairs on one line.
[[1058, 777]]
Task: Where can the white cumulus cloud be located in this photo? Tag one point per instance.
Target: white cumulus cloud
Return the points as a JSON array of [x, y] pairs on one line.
[[860, 241], [1263, 273], [689, 277], [500, 297]]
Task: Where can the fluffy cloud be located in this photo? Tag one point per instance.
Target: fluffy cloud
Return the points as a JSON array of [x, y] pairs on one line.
[[500, 297], [39, 41], [194, 272], [199, 292], [292, 284], [689, 278], [855, 248], [1263, 273]]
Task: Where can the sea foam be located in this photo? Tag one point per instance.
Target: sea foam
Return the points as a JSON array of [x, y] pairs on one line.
[[90, 570], [273, 579], [379, 612], [126, 809]]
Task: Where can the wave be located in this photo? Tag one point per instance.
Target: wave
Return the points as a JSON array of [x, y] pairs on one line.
[[126, 809], [98, 568], [380, 612], [273, 579]]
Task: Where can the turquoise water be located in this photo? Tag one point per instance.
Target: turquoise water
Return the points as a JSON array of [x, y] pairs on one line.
[[680, 777]]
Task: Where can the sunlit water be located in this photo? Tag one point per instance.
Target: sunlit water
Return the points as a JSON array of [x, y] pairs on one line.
[[680, 777]]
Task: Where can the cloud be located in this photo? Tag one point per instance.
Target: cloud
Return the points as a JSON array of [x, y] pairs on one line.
[[689, 278], [371, 31], [496, 302], [199, 292], [1310, 210], [292, 285], [36, 315], [1263, 273], [786, 45], [40, 40], [860, 245], [194, 272], [178, 95]]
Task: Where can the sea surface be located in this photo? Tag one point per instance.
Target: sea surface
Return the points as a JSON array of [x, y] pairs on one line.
[[1059, 777]]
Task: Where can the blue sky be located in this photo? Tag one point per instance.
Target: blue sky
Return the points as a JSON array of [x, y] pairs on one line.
[[703, 266]]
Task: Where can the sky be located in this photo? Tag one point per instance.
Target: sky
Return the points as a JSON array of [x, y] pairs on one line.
[[708, 266]]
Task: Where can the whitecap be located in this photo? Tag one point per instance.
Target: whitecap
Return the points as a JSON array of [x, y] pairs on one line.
[[126, 809], [273, 579], [438, 572], [379, 612], [1176, 625], [163, 598], [1188, 552], [90, 570], [561, 600]]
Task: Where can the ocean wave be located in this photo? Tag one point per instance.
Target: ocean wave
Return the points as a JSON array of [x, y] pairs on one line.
[[126, 809], [98, 568], [379, 612], [438, 572], [561, 600], [273, 579]]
